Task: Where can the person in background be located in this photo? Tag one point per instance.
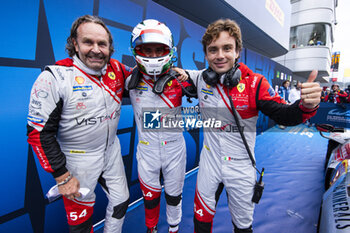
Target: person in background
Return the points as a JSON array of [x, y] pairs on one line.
[[336, 95], [155, 90], [224, 88], [284, 90], [347, 91], [294, 94], [324, 93], [72, 125]]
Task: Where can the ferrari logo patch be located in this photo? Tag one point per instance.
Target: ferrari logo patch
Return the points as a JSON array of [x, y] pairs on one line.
[[111, 75], [241, 87]]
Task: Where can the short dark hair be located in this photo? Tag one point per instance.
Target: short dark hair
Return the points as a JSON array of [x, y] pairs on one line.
[[74, 31], [214, 29]]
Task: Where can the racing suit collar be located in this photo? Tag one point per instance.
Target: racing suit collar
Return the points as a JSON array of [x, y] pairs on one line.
[[82, 66], [245, 70], [151, 78]]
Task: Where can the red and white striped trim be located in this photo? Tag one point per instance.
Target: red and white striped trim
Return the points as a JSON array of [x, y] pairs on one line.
[[93, 79], [223, 98], [162, 96], [86, 203], [149, 187], [207, 208]]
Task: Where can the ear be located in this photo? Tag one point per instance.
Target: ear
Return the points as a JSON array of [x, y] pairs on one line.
[[237, 54], [75, 44]]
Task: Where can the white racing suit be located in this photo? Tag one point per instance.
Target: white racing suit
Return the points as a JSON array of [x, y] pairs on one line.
[[72, 126], [224, 161], [160, 150]]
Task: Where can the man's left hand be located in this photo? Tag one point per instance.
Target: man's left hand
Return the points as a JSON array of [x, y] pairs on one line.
[[311, 92]]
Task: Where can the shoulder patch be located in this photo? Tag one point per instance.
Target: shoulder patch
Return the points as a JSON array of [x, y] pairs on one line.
[[271, 91]]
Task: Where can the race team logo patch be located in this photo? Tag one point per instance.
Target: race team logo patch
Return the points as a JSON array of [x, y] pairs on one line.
[[111, 75], [79, 79], [241, 87], [208, 92], [82, 88]]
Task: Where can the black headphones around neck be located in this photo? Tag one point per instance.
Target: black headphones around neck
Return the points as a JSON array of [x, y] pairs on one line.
[[231, 78]]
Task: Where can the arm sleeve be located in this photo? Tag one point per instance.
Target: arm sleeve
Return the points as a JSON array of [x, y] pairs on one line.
[[45, 109], [342, 94], [326, 98], [194, 75], [272, 105]]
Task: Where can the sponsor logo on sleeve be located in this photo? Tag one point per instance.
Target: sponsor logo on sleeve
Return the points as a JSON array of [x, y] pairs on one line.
[[35, 119], [271, 91]]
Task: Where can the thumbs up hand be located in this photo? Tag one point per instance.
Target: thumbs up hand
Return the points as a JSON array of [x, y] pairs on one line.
[[311, 92]]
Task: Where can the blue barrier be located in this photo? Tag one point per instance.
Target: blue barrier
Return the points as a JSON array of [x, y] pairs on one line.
[[334, 114]]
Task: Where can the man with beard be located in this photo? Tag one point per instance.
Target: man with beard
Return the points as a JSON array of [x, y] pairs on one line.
[[73, 127]]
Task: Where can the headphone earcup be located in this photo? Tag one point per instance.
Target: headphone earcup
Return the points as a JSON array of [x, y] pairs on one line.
[[210, 77], [232, 77]]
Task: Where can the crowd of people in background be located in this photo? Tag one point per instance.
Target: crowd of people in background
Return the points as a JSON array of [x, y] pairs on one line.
[[291, 92], [335, 94]]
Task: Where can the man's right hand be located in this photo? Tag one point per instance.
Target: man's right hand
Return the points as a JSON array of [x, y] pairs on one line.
[[183, 76], [70, 189]]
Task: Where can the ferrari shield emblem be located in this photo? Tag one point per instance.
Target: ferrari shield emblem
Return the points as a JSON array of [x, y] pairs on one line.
[[241, 87], [111, 75]]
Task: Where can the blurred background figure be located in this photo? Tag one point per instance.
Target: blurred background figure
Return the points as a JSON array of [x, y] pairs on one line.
[[294, 94], [336, 95], [347, 91], [324, 93], [285, 90]]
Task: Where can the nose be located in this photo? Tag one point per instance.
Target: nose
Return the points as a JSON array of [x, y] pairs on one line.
[[153, 53], [220, 53], [95, 48]]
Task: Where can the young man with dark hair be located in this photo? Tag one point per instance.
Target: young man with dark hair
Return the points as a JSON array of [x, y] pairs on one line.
[[224, 88]]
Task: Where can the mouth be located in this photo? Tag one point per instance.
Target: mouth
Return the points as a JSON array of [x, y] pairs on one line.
[[220, 65], [96, 58]]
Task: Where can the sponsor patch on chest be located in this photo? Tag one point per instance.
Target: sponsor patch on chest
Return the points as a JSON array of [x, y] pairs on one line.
[[206, 91], [82, 88], [142, 88]]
